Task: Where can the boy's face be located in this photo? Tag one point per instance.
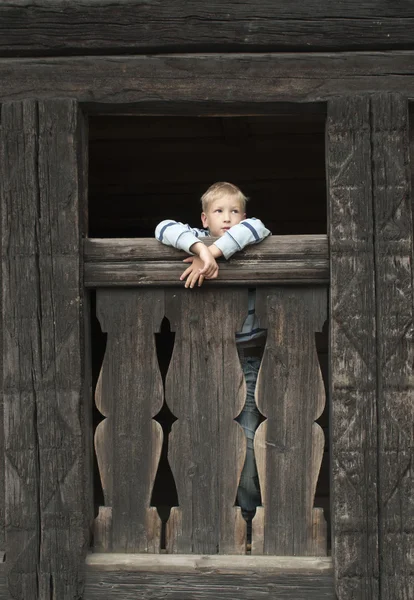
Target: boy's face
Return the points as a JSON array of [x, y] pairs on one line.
[[222, 214]]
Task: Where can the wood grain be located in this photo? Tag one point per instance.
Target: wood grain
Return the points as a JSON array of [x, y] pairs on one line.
[[352, 350], [289, 444], [128, 441], [205, 391], [208, 84], [146, 262], [130, 27], [208, 576], [393, 229], [43, 354]]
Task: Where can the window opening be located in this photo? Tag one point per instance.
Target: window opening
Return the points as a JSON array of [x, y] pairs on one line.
[[147, 168]]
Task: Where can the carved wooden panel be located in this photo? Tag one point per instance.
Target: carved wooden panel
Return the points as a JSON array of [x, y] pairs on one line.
[[41, 179], [205, 390], [128, 441], [393, 227], [289, 444], [352, 350]]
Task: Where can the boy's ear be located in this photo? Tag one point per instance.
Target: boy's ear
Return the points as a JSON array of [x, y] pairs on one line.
[[204, 219]]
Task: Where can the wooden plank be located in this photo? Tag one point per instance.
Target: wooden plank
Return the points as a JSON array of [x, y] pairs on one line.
[[289, 443], [210, 577], [208, 84], [84, 28], [128, 441], [43, 329], [394, 293], [352, 350], [205, 391], [214, 563], [276, 247], [244, 273], [132, 262], [256, 586]]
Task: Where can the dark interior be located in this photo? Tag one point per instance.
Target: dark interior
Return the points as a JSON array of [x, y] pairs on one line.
[[145, 169]]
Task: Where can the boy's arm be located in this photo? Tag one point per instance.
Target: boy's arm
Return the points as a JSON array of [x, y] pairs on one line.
[[245, 233], [183, 237], [180, 236]]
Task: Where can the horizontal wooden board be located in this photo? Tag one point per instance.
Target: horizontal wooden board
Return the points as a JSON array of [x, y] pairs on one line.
[[208, 84], [291, 247], [214, 563], [53, 27], [179, 577], [132, 262]]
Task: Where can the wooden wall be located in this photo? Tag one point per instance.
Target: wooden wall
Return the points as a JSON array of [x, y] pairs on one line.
[[34, 28]]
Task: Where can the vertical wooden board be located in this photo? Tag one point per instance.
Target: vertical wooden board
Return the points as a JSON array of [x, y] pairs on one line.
[[43, 332], [205, 390], [394, 294], [128, 442], [2, 457], [289, 444], [352, 350]]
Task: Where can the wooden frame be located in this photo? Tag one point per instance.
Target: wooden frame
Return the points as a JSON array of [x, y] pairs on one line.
[[364, 561], [210, 83]]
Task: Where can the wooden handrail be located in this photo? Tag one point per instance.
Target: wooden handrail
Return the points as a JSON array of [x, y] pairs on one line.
[[145, 262]]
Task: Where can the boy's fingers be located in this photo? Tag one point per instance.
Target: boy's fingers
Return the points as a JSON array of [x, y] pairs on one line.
[[189, 259], [200, 280]]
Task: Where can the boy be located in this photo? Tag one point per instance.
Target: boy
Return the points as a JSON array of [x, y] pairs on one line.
[[224, 217]]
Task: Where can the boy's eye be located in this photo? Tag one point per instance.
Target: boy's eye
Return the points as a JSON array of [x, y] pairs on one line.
[[235, 211]]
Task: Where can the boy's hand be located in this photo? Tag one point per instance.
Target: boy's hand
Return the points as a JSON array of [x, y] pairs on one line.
[[202, 267]]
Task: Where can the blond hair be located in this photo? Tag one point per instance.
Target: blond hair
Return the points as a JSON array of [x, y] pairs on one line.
[[220, 189]]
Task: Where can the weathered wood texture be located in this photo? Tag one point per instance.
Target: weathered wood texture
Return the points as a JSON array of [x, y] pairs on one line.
[[393, 228], [278, 259], [118, 27], [207, 84], [128, 441], [205, 391], [289, 444], [353, 358], [46, 530], [208, 577]]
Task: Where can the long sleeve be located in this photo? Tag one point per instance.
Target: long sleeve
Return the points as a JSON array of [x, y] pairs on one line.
[[247, 232], [178, 235]]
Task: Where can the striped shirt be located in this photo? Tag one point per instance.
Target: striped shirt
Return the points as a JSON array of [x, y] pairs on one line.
[[247, 232]]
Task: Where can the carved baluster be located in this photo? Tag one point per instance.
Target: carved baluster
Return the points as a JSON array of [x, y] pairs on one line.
[[205, 390], [289, 444], [128, 442]]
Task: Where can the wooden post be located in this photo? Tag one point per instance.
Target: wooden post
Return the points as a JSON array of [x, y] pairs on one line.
[[41, 185], [393, 229], [353, 356]]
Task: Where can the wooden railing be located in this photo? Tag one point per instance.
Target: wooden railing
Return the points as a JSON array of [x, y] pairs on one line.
[[205, 390]]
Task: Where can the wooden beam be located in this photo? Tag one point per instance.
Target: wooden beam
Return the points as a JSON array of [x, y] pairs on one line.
[[353, 350], [208, 84], [80, 27], [395, 353], [279, 259], [118, 577], [41, 175]]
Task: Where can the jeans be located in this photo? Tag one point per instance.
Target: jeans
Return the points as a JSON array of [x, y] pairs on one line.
[[248, 494]]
